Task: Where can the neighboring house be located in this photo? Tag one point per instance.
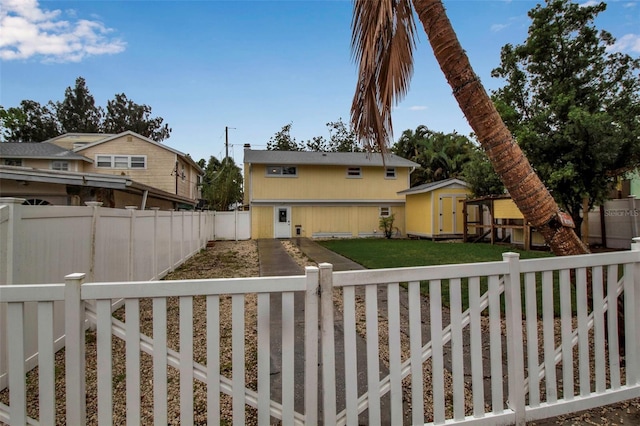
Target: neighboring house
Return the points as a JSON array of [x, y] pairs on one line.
[[148, 166], [435, 209], [323, 194]]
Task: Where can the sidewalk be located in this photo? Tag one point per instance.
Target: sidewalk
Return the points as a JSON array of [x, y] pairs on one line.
[[275, 261]]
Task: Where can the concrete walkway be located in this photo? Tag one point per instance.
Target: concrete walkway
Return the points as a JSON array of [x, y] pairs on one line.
[[275, 261]]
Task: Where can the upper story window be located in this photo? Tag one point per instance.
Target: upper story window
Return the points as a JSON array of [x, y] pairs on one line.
[[390, 173], [385, 211], [60, 165], [354, 172], [121, 161], [286, 171], [13, 162]]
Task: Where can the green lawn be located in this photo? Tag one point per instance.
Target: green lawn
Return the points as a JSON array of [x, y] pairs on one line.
[[383, 253]]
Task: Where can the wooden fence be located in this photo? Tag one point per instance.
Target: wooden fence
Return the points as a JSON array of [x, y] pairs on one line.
[[539, 342]]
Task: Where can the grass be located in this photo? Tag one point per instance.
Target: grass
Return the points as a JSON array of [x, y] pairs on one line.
[[383, 253]]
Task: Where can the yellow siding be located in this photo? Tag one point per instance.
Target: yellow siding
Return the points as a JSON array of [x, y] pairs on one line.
[[327, 183], [506, 209], [418, 214], [161, 163], [262, 222]]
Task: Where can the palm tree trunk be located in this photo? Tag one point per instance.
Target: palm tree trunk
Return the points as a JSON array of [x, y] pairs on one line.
[[525, 187]]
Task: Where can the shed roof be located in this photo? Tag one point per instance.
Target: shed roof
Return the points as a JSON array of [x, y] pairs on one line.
[[38, 150], [325, 158], [432, 186]]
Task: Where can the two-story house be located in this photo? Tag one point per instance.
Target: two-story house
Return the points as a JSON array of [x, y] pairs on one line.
[[118, 170], [323, 194]]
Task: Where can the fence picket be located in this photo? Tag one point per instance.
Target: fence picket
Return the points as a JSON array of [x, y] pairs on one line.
[[237, 348], [104, 361], [598, 330], [566, 327], [477, 376], [632, 367], [532, 338], [15, 334], [186, 360], [46, 363], [160, 361], [132, 347], [415, 347], [311, 345], [548, 318], [395, 360], [457, 360], [264, 358], [288, 358], [612, 323], [373, 359], [437, 358], [350, 354], [583, 332], [495, 350]]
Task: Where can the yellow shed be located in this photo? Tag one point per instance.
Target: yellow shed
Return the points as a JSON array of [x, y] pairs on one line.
[[435, 210]]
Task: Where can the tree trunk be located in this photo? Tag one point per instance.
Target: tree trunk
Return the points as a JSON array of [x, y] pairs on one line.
[[525, 187]]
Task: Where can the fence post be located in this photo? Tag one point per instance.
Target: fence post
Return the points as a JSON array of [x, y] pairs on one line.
[[515, 344], [155, 242], [9, 239], [74, 355], [632, 357], [328, 344], [94, 229], [311, 346]]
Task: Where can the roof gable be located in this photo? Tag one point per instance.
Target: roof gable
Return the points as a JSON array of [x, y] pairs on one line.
[[326, 158], [452, 183]]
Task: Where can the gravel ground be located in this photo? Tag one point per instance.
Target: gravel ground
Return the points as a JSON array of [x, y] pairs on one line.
[[228, 259]]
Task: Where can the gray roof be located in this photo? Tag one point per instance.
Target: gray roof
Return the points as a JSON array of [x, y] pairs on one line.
[[38, 150], [432, 186], [325, 158]]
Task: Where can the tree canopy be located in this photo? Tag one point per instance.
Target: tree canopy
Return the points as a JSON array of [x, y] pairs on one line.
[[441, 155], [78, 113], [572, 103], [341, 139], [222, 183]]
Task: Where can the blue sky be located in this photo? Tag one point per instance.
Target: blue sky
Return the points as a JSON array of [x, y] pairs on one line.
[[253, 66]]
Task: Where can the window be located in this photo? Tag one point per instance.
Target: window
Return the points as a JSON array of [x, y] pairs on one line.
[[121, 161], [60, 165], [385, 211], [390, 173], [354, 172], [288, 171], [13, 162]]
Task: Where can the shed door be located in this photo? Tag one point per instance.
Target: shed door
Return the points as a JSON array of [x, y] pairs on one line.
[[282, 221]]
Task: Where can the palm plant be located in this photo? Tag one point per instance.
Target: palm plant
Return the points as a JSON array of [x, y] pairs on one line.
[[383, 41]]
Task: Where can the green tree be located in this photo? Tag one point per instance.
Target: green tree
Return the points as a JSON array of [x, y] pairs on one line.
[[441, 155], [342, 138], [283, 141], [30, 122], [222, 183], [383, 43], [124, 114], [572, 104], [480, 176], [78, 112]]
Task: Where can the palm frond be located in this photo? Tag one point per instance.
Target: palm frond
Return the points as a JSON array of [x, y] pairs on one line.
[[382, 42]]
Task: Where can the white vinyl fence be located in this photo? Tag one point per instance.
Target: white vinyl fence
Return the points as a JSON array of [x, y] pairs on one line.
[[539, 360], [615, 223], [40, 244]]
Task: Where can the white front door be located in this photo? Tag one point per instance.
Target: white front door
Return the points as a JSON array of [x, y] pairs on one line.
[[282, 218]]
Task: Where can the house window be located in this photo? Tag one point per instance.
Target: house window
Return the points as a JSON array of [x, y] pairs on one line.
[[288, 171], [354, 172], [60, 165], [121, 161], [13, 162], [385, 211], [183, 175], [390, 173]]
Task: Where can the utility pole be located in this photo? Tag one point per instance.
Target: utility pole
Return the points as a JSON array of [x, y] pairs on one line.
[[226, 140]]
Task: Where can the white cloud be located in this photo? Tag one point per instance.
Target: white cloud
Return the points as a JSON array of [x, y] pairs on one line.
[[29, 31], [589, 3], [498, 27], [626, 43], [629, 5], [417, 108]]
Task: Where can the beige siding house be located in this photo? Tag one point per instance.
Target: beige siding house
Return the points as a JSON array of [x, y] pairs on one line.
[[151, 174], [323, 195]]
